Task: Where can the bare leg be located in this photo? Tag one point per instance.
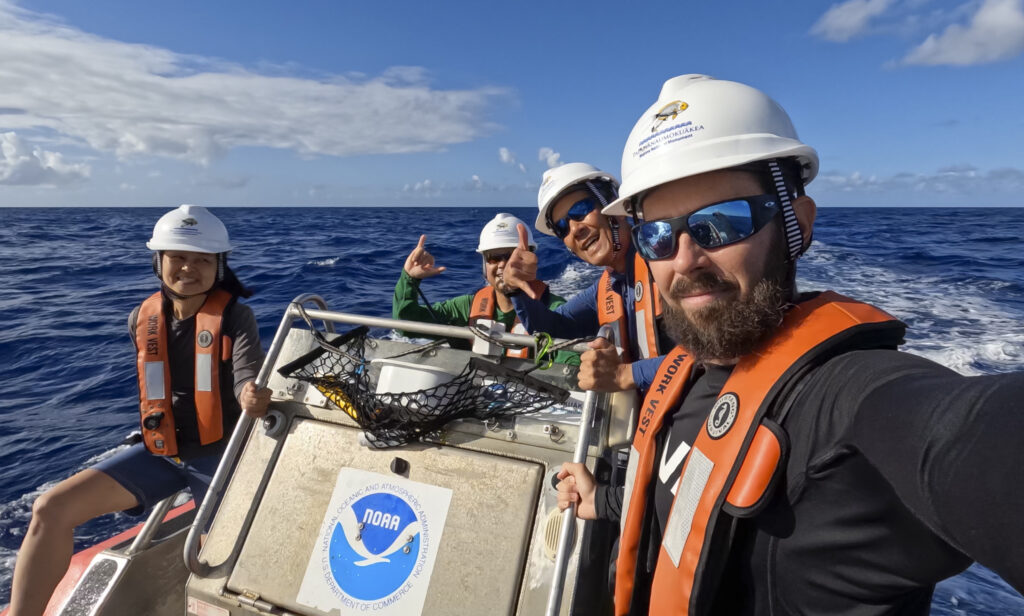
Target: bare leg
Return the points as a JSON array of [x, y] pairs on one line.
[[46, 551]]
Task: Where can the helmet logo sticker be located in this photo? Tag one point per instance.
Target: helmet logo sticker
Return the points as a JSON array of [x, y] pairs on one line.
[[205, 338], [668, 112], [189, 222], [722, 415]]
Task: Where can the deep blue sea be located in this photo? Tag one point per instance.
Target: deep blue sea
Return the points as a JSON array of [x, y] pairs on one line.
[[70, 276]]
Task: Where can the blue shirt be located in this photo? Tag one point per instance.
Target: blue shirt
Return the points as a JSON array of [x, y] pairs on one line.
[[577, 318]]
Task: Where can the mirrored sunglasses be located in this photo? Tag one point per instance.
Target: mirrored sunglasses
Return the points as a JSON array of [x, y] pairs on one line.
[[577, 212], [712, 226]]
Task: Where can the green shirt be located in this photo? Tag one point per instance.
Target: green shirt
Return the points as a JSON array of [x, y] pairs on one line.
[[455, 311]]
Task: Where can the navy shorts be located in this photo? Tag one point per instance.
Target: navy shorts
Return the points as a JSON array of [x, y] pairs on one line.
[[152, 478]]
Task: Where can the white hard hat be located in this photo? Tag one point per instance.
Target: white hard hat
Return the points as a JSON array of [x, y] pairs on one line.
[[501, 232], [558, 180], [191, 228], [700, 124]]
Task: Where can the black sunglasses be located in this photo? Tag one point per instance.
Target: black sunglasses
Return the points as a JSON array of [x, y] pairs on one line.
[[498, 257], [579, 210], [712, 226]]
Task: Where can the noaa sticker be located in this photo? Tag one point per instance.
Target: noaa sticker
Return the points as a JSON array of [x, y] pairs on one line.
[[638, 291], [377, 545], [189, 222], [722, 415], [205, 338]]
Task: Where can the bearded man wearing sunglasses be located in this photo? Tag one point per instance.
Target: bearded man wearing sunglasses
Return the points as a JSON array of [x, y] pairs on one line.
[[788, 459], [497, 240], [570, 201]]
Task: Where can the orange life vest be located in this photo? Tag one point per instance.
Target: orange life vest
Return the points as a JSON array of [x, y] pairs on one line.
[[211, 347], [731, 470], [647, 308], [484, 305]]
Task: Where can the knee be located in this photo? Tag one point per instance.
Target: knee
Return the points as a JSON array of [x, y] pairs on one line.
[[52, 510]]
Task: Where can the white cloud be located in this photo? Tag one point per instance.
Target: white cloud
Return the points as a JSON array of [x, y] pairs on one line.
[[23, 165], [995, 32], [550, 157], [510, 159], [142, 100], [951, 180], [426, 188], [842, 22]]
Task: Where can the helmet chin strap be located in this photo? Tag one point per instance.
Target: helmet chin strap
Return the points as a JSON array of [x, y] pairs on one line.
[[171, 293], [791, 227], [613, 224]]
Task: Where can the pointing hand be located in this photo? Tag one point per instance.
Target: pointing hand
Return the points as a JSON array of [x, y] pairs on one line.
[[420, 263]]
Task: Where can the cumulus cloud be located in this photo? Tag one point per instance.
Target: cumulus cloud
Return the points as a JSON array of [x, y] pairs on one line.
[[510, 159], [426, 188], [135, 99], [843, 21], [23, 165], [995, 32], [550, 157]]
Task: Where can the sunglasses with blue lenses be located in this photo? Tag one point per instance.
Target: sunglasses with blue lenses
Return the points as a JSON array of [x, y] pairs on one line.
[[577, 212], [712, 226]]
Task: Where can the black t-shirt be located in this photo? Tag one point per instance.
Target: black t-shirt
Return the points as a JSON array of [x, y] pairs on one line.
[[900, 473]]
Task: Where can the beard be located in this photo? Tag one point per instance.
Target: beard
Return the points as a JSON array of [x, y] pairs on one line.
[[729, 328]]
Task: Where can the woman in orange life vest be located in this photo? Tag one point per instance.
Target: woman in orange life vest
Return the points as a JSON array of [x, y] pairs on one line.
[[198, 354], [497, 239], [570, 201]]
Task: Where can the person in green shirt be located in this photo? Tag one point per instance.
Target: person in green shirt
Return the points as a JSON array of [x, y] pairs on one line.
[[498, 239]]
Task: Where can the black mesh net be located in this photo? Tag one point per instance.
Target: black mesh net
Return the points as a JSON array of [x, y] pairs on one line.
[[483, 390]]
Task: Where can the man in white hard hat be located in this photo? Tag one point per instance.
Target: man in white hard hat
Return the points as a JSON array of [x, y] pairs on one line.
[[570, 201], [788, 459], [198, 355], [497, 240]]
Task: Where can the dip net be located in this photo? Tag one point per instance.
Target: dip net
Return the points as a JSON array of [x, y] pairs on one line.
[[340, 370]]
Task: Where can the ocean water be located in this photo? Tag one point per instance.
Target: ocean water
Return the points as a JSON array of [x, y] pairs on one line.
[[70, 276]]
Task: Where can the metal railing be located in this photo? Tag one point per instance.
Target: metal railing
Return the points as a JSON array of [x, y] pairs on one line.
[[245, 422]]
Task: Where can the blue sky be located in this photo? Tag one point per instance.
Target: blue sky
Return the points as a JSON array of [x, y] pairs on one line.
[[244, 102]]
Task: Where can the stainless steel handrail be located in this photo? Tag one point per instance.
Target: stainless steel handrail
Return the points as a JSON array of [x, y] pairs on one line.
[[293, 312], [242, 427], [568, 529], [153, 522], [430, 329]]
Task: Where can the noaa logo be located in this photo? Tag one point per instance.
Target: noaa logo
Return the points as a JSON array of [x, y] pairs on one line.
[[638, 291], [668, 112], [375, 546], [205, 338], [722, 416]]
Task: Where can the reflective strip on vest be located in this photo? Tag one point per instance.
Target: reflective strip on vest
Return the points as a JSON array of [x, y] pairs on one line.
[[155, 380]]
